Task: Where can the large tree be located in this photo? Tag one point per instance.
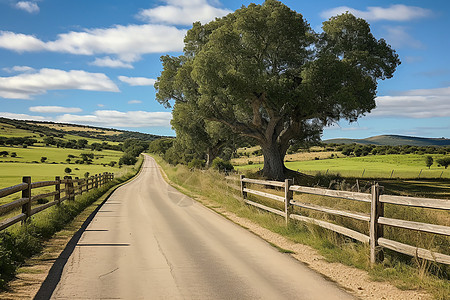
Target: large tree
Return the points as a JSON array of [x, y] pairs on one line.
[[199, 135], [263, 72]]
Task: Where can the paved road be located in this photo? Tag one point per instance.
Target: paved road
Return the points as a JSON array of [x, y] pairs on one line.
[[148, 241]]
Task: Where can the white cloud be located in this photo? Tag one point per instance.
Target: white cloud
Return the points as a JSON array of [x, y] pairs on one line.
[[105, 118], [137, 81], [19, 69], [134, 101], [25, 86], [101, 105], [55, 109], [182, 12], [28, 6], [127, 42], [398, 38], [395, 12], [111, 63], [20, 42], [114, 118], [23, 116], [423, 103]]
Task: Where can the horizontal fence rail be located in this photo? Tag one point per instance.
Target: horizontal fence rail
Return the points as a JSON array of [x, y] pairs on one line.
[[375, 220], [65, 189]]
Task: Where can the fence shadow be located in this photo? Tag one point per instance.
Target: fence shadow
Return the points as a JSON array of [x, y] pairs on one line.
[[54, 275]]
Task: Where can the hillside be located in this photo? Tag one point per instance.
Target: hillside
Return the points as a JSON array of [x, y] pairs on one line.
[[393, 140], [61, 130]]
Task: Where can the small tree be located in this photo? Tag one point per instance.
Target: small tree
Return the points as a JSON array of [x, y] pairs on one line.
[[86, 175], [13, 154], [428, 161], [444, 162], [68, 170], [43, 159]]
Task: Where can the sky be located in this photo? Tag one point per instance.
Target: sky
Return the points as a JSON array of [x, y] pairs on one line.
[[95, 62]]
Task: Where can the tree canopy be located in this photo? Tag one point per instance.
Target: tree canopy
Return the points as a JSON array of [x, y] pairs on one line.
[[265, 74]]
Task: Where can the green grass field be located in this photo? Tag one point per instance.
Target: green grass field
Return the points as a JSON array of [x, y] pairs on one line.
[[7, 130], [374, 166], [57, 155], [12, 169]]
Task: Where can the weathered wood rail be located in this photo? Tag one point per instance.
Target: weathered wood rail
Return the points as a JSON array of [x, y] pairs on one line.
[[375, 220], [71, 188]]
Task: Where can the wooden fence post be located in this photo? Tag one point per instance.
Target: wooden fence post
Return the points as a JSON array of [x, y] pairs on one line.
[[244, 194], [57, 189], [78, 186], [288, 194], [96, 181], [26, 208], [375, 230], [66, 187], [71, 189]]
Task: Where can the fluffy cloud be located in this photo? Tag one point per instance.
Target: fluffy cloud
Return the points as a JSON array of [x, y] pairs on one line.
[[23, 117], [114, 118], [182, 12], [137, 81], [396, 12], [127, 42], [55, 109], [105, 118], [111, 63], [27, 6], [424, 103], [27, 85], [20, 42]]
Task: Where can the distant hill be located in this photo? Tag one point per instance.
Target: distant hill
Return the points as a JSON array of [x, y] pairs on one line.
[[394, 140], [61, 129]]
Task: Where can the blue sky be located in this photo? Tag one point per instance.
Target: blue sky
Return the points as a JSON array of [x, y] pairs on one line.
[[95, 62]]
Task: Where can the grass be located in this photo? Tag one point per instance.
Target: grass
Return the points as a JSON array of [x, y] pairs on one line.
[[373, 166], [56, 155], [20, 242], [27, 163], [222, 193]]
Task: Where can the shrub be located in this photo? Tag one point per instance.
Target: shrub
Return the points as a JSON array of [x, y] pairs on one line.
[[127, 159], [196, 163], [68, 170], [222, 165]]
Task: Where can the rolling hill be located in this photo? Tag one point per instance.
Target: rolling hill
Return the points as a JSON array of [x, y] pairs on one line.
[[393, 140], [61, 130]]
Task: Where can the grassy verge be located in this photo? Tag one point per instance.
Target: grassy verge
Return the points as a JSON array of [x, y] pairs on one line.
[[219, 192], [20, 242]]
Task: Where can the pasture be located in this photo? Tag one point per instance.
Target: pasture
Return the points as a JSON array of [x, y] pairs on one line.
[[27, 163], [372, 166]]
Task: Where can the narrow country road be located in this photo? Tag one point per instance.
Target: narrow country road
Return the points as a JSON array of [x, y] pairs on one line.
[[149, 241]]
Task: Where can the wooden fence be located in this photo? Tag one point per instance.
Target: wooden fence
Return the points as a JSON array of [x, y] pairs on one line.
[[71, 188], [376, 220]]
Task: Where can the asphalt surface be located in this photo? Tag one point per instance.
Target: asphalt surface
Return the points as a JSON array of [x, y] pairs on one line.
[[149, 241]]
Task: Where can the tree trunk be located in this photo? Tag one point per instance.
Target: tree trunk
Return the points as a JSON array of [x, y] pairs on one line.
[[273, 162]]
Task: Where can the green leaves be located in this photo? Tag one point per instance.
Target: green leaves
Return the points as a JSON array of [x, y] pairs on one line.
[[262, 72]]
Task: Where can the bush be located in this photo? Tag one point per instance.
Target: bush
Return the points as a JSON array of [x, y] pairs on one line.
[[222, 165], [68, 170], [127, 159], [196, 163]]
